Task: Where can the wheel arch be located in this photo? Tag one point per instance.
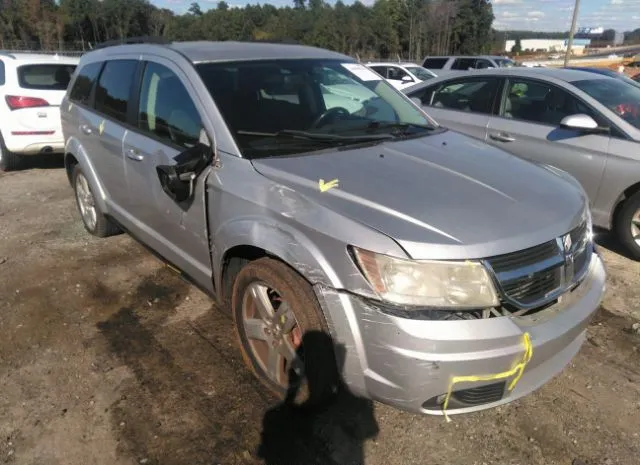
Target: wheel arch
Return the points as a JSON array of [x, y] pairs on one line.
[[245, 240], [627, 193], [74, 154]]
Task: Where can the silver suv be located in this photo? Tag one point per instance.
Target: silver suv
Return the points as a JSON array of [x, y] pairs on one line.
[[455, 277]]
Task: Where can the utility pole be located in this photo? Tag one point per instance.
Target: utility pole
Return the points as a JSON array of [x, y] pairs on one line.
[[571, 33]]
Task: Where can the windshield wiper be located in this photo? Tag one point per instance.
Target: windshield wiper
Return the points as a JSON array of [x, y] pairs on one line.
[[318, 137], [403, 126]]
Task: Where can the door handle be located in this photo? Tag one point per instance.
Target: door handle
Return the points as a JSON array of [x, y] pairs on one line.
[[86, 129], [502, 137], [133, 154]]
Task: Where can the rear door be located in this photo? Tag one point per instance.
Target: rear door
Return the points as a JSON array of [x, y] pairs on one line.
[[168, 122], [464, 104], [35, 102], [103, 129], [528, 125]]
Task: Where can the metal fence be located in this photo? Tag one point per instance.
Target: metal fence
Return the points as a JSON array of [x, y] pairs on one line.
[[68, 53]]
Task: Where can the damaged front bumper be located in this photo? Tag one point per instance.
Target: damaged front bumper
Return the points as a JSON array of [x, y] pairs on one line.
[[409, 363]]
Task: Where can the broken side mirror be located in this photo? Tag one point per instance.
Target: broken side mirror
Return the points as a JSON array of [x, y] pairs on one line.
[[178, 181]]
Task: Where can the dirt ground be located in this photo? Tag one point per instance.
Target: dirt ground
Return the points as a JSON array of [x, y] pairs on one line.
[[107, 357]]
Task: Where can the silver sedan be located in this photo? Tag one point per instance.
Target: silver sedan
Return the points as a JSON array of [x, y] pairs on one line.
[[584, 123]]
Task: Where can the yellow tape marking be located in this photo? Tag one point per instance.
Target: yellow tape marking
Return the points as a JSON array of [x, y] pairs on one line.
[[517, 370], [325, 186]]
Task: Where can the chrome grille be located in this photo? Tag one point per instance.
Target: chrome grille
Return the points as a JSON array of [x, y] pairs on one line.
[[538, 275]]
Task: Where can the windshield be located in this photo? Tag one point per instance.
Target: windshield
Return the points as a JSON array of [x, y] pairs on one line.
[[419, 72], [505, 62], [615, 94], [284, 107]]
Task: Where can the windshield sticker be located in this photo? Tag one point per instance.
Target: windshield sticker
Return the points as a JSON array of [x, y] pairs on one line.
[[325, 186], [362, 72]]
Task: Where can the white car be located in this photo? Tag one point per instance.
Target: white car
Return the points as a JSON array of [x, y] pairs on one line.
[[31, 89], [401, 75]]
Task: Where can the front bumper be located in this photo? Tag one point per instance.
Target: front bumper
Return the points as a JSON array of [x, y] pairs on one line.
[[409, 363]]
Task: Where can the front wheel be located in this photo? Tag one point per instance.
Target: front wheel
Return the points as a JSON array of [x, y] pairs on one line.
[[628, 225], [275, 313]]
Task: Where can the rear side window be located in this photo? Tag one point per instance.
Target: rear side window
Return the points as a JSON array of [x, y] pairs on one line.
[[114, 88], [1, 73], [474, 95], [435, 63], [81, 90], [464, 64], [45, 76]]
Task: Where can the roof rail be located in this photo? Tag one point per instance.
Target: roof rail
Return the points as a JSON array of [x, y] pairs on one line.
[[133, 40], [7, 54]]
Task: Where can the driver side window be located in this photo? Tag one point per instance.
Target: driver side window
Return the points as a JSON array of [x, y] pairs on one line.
[[540, 102], [166, 109]]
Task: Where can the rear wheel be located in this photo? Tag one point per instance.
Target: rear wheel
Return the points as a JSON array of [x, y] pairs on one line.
[[9, 161], [275, 312], [628, 225], [95, 222]]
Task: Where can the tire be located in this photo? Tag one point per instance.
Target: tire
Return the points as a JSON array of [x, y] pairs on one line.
[[317, 378], [628, 223], [97, 223], [9, 161]]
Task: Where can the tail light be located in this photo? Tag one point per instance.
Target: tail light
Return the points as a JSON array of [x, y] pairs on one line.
[[16, 102]]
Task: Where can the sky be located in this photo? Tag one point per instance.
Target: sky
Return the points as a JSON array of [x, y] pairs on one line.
[[533, 15]]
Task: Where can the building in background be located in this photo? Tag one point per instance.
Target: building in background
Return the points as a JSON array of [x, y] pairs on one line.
[[548, 45]]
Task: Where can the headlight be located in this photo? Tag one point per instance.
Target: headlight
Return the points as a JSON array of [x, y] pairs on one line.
[[441, 284]]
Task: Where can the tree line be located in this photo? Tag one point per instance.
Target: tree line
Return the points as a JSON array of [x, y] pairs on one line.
[[408, 29]]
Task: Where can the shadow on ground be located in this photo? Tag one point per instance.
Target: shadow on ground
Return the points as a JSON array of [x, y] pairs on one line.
[[608, 240], [43, 161], [189, 402], [330, 426]]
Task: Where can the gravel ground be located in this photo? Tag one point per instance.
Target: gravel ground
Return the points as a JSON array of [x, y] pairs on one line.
[[107, 357]]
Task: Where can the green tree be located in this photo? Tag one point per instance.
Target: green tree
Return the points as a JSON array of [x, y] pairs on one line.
[[195, 9]]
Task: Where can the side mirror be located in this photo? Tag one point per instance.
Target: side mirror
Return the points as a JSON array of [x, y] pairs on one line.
[[407, 78], [172, 183], [178, 181], [581, 122]]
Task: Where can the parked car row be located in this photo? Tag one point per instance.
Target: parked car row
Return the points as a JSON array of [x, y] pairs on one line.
[[31, 89], [586, 123], [310, 198]]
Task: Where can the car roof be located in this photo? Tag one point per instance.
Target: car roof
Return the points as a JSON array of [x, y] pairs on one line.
[[562, 74], [211, 51], [391, 63], [21, 58]]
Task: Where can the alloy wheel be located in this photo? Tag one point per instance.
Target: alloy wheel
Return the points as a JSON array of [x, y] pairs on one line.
[[635, 227], [273, 333], [86, 202]]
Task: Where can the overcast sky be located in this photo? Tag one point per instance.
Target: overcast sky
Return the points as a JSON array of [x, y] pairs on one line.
[[537, 15]]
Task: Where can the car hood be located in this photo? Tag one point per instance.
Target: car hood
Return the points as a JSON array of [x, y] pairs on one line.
[[445, 195]]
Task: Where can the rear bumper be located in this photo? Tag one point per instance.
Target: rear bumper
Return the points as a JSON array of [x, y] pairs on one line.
[[409, 363], [34, 144]]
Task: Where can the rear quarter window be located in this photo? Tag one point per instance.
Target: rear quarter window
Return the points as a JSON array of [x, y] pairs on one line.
[[1, 73], [45, 76], [81, 90]]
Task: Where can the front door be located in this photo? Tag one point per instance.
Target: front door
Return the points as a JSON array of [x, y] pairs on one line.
[[168, 123], [529, 126]]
